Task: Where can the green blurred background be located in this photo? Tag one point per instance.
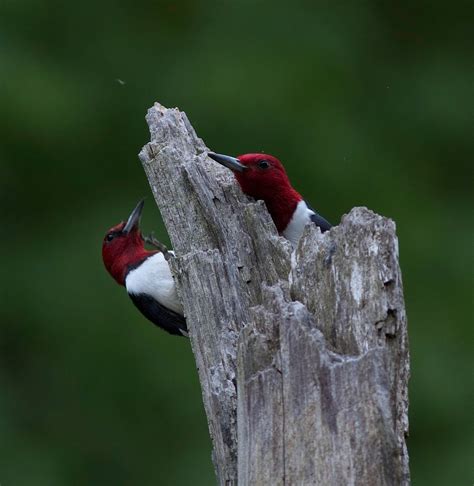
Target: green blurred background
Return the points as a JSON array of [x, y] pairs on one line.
[[367, 103]]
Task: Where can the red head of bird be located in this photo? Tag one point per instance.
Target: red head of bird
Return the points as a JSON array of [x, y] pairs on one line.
[[263, 176], [123, 246]]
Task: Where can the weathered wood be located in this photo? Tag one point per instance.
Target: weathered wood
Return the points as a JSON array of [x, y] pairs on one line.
[[303, 356]]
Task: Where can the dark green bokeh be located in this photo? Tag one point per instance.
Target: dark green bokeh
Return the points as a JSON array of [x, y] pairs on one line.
[[366, 103]]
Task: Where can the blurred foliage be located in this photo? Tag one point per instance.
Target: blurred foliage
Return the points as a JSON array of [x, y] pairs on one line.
[[367, 103]]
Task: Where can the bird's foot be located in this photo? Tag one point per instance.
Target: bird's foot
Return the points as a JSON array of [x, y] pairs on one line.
[[152, 241]]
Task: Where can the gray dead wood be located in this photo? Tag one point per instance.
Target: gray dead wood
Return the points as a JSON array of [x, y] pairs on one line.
[[302, 358]]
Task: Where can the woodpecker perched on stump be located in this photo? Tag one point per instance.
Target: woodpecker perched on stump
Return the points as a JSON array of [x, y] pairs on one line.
[[263, 176], [145, 274]]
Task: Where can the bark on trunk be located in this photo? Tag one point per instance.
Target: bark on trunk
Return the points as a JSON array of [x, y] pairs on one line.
[[302, 357]]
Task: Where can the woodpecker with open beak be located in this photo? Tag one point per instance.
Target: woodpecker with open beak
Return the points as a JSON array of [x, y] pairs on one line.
[[145, 274], [263, 176]]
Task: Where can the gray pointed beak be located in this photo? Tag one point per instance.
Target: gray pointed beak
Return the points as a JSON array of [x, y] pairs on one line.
[[230, 162], [133, 220]]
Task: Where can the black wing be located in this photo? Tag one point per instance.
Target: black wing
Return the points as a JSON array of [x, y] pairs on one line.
[[318, 220], [161, 316]]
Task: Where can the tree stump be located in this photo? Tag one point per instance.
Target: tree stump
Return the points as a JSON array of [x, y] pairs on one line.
[[302, 356]]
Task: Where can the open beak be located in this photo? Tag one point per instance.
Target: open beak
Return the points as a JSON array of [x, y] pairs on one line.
[[230, 162], [133, 221]]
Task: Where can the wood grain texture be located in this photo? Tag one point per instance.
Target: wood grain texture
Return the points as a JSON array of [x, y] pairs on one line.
[[302, 357]]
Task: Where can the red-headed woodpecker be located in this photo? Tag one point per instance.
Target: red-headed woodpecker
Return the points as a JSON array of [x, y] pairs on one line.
[[145, 274], [263, 176]]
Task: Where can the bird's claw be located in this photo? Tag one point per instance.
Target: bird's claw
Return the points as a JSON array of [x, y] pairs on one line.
[[152, 241]]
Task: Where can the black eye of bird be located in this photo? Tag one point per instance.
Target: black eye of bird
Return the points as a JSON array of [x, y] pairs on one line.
[[263, 164], [110, 237]]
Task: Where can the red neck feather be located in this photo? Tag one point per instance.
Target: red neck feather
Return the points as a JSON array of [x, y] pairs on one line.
[[281, 207]]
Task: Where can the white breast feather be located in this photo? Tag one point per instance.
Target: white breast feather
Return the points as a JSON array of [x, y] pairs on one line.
[[153, 277], [294, 229]]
